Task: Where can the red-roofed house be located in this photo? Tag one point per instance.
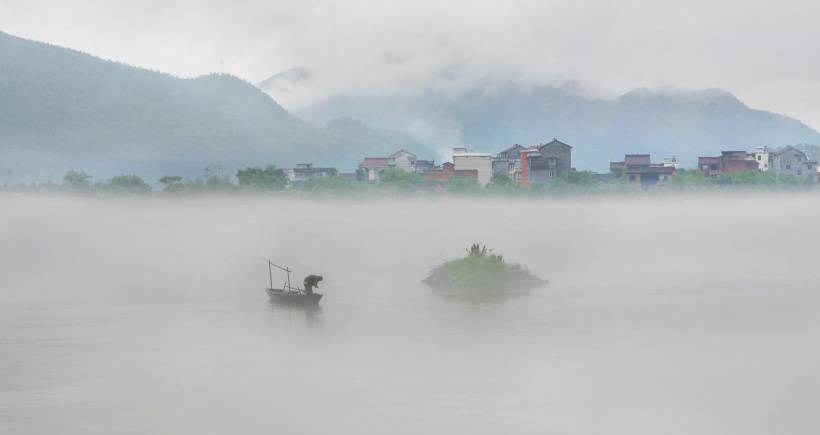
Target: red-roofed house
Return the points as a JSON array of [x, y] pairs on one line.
[[728, 162], [637, 159]]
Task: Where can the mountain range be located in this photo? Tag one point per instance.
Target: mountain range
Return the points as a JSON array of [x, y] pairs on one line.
[[494, 114], [62, 110]]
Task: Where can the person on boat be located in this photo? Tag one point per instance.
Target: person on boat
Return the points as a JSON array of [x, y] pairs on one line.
[[310, 282]]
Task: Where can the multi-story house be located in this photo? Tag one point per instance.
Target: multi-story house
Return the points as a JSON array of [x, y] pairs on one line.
[[550, 161], [639, 169], [545, 162], [402, 160], [792, 161], [481, 162], [730, 162], [761, 156], [508, 162]]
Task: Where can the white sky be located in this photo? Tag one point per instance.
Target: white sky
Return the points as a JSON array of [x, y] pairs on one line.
[[763, 51]]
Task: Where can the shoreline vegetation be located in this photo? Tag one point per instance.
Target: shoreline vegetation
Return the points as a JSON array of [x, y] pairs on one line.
[[482, 273], [394, 182]]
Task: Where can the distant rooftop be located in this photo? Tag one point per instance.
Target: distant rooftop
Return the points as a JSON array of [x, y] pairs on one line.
[[637, 159], [555, 141], [472, 154], [377, 162], [462, 152]]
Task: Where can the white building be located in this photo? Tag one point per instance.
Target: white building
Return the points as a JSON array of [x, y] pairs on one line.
[[481, 162], [404, 160], [671, 162], [304, 171], [761, 156]]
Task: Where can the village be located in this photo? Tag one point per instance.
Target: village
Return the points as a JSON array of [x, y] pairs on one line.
[[541, 164], [542, 168]]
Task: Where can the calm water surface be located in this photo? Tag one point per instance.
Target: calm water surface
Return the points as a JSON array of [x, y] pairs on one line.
[[675, 316]]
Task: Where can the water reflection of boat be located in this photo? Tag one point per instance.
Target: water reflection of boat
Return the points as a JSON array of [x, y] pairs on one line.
[[293, 312], [291, 295]]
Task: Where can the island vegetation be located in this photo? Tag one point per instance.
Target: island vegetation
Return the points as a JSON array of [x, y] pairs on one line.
[[482, 274]]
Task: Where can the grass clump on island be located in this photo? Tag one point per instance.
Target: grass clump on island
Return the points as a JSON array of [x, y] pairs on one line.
[[482, 271]]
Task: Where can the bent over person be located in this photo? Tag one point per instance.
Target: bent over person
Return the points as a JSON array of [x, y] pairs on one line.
[[310, 282]]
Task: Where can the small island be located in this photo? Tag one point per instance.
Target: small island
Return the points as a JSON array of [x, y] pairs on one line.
[[484, 273]]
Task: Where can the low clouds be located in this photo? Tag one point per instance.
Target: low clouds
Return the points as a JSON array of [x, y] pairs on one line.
[[759, 50]]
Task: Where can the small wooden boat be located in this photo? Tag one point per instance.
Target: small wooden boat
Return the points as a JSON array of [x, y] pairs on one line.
[[289, 294], [293, 297]]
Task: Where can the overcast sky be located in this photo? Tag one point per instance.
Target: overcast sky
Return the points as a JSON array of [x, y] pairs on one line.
[[763, 51]]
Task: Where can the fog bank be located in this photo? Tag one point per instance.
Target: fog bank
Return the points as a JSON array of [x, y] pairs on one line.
[[678, 315]]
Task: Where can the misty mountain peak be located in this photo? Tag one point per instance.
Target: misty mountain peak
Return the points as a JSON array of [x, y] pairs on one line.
[[284, 80], [681, 96], [63, 109]]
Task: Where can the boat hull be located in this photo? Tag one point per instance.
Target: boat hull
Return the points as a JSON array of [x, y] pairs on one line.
[[293, 298]]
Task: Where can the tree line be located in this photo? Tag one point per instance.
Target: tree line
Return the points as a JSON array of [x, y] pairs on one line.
[[273, 179]]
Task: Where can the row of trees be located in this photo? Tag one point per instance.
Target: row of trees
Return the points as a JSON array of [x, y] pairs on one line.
[[253, 178], [81, 182], [270, 178], [394, 180], [694, 179]]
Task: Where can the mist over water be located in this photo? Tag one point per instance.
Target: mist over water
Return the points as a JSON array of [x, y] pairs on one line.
[[676, 315]]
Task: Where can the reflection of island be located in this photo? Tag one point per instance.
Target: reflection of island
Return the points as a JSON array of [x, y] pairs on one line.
[[482, 275]]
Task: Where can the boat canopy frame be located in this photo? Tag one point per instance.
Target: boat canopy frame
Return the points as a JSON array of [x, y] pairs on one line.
[[287, 286]]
